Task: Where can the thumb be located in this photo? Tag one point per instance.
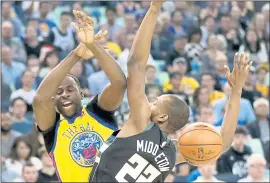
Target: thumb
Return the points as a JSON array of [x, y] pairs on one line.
[[228, 74], [75, 26]]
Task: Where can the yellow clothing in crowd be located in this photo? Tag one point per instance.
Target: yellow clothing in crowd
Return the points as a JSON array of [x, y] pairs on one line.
[[263, 89], [215, 95], [189, 81]]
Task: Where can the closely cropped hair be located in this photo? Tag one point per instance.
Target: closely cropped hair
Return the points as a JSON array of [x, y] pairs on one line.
[[75, 79], [178, 112]]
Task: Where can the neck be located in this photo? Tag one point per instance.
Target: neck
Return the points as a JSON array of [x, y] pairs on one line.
[[110, 22], [262, 118], [63, 29], [50, 170], [26, 88], [32, 42], [5, 134], [239, 149], [18, 118]]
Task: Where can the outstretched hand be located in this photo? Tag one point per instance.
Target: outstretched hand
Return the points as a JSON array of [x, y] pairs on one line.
[[238, 76], [157, 3]]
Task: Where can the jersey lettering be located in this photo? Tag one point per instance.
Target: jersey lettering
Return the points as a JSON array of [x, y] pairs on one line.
[[148, 175]]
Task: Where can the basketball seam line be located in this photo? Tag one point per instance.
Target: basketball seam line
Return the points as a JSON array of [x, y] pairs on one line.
[[201, 160], [199, 129]]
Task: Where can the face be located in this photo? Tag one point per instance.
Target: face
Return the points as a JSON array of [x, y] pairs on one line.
[[208, 82], [110, 15], [30, 174], [261, 74], [225, 23], [196, 38], [77, 6], [77, 69], [7, 30], [129, 40], [28, 79], [176, 82], [30, 33], [262, 110], [208, 171], [19, 108], [206, 115], [130, 20], [6, 55], [23, 150], [44, 8], [177, 17], [259, 21], [5, 122], [150, 74], [212, 41], [33, 65], [180, 44], [157, 106], [210, 23], [46, 160], [33, 23], [65, 21], [256, 168], [203, 96], [52, 60], [68, 98], [252, 37], [6, 9], [220, 62], [239, 141], [235, 12]]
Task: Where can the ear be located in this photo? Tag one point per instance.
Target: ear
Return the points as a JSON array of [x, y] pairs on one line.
[[82, 95], [53, 98], [162, 118]]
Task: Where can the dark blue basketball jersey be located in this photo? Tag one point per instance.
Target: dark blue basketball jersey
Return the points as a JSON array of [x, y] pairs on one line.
[[145, 157]]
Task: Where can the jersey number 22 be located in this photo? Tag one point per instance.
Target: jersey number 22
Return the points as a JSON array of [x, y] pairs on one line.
[[137, 173]]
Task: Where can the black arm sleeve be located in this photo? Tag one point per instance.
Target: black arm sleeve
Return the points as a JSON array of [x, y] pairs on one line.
[[49, 134], [107, 116]]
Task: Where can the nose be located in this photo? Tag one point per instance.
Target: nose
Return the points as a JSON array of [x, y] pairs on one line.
[[65, 94]]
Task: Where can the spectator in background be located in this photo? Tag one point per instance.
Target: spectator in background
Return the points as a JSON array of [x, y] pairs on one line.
[[63, 38], [150, 75], [7, 175], [29, 173], [265, 11], [260, 84], [176, 23], [207, 173], [31, 43], [200, 98], [10, 68], [258, 24], [26, 92], [256, 169], [246, 14], [235, 159], [77, 71], [8, 135], [15, 44], [21, 154], [221, 60], [5, 94], [51, 60], [206, 115], [36, 139], [44, 24], [249, 91], [16, 23], [236, 14], [209, 81], [207, 28], [48, 172], [246, 113], [33, 65], [18, 110], [255, 47]]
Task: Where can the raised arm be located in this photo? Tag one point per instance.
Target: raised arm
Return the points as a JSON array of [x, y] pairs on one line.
[[139, 54], [112, 96], [236, 80]]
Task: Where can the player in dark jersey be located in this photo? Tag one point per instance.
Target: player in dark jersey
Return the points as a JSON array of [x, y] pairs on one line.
[[141, 151]]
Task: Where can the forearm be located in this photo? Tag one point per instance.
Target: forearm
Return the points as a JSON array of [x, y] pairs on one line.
[[229, 123], [52, 81], [141, 46], [107, 63]]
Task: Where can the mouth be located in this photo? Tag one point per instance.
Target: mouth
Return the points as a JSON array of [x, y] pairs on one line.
[[67, 104]]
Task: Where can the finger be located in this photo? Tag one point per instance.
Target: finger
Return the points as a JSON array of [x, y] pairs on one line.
[[90, 20], [76, 15], [98, 35], [235, 64], [246, 59], [75, 26], [242, 59], [249, 66], [228, 74], [104, 33]]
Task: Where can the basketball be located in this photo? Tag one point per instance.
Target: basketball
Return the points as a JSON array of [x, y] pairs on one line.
[[200, 144]]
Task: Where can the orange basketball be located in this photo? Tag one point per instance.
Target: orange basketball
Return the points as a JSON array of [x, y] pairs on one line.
[[200, 144]]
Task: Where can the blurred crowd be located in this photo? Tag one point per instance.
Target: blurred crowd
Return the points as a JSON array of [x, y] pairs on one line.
[[191, 44]]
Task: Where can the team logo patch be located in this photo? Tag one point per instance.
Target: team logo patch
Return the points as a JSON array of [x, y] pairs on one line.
[[84, 147]]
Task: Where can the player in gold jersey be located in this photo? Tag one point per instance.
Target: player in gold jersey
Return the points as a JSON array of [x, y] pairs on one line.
[[74, 133]]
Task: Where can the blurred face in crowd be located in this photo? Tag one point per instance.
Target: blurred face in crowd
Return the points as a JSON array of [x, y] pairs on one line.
[[225, 23], [208, 82], [68, 97], [30, 33], [262, 110], [212, 42], [259, 22], [77, 6], [180, 67], [46, 160], [5, 122], [179, 44], [261, 74], [206, 114], [77, 70], [19, 108], [241, 4], [239, 141], [28, 79], [176, 81], [129, 40], [180, 5], [145, 4], [196, 38], [6, 55], [150, 74], [252, 37], [235, 13], [23, 150], [130, 21], [5, 10], [152, 95], [52, 60], [158, 28], [65, 21], [30, 174], [7, 30], [256, 167], [266, 14], [33, 65], [165, 19], [221, 60], [250, 77], [111, 15], [33, 23], [210, 24], [44, 9], [177, 18], [208, 170], [203, 96], [184, 169]]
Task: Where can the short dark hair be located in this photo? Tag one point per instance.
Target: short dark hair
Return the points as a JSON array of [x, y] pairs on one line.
[[75, 79], [174, 74], [66, 13], [27, 164], [15, 99], [208, 74], [111, 8], [178, 112], [241, 131]]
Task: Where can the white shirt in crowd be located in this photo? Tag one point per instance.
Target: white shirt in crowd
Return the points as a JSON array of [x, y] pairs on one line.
[[17, 166], [28, 96], [249, 179], [202, 179]]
